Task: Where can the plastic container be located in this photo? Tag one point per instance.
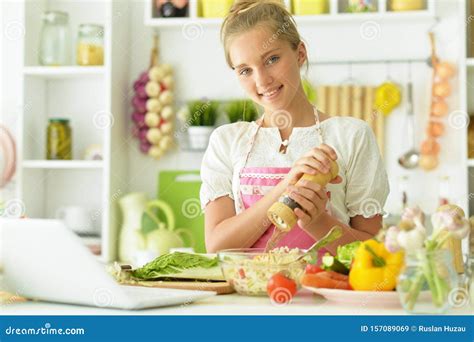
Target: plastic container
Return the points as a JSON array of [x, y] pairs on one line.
[[215, 9], [406, 5], [90, 45], [310, 7]]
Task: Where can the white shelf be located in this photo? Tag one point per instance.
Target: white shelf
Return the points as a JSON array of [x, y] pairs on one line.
[[62, 164], [336, 15], [63, 72], [470, 62], [300, 20], [470, 162]]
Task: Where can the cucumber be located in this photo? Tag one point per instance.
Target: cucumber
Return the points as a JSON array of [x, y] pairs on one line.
[[330, 263]]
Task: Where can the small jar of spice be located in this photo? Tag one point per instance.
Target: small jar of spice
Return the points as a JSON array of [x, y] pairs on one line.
[[90, 45]]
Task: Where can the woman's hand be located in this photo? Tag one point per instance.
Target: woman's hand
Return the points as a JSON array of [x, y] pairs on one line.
[[312, 198], [318, 160]]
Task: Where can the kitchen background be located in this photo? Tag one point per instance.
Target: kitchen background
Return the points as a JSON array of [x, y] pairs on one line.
[[363, 49]]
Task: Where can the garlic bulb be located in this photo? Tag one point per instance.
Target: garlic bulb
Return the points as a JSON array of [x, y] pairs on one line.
[[167, 127], [153, 105], [152, 119], [153, 135], [156, 74], [165, 142], [152, 89], [155, 152], [168, 82], [391, 239], [167, 112], [413, 239], [166, 97]]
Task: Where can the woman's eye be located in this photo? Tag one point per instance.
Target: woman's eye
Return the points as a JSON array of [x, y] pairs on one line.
[[273, 60], [244, 72]]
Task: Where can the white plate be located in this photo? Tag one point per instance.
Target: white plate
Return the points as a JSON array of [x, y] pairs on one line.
[[371, 298]]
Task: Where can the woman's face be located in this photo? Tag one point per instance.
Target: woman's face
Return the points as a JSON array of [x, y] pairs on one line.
[[268, 69]]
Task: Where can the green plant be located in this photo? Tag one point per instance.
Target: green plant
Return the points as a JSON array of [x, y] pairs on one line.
[[202, 113], [241, 110]]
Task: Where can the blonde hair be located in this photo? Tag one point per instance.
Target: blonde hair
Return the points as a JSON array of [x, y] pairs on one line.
[[270, 14]]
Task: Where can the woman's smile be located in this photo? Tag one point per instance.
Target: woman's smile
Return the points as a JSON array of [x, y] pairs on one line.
[[271, 94]]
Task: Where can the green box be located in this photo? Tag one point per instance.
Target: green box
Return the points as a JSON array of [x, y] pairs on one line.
[[180, 189]]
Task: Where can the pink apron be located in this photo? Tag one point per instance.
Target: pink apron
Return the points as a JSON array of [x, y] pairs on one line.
[[255, 182]]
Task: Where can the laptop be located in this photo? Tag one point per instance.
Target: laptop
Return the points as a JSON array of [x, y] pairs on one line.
[[44, 260]]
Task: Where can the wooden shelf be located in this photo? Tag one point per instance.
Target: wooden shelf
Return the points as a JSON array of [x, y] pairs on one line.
[[63, 72], [62, 164]]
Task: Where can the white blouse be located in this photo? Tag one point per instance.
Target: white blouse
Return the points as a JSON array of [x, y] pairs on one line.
[[364, 188]]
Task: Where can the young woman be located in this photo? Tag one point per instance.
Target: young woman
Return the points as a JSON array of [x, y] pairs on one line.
[[249, 165]]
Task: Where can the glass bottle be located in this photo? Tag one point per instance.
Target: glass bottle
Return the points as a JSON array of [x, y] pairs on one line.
[[90, 45], [55, 41]]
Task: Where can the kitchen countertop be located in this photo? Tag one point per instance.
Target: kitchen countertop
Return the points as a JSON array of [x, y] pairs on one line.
[[304, 303]]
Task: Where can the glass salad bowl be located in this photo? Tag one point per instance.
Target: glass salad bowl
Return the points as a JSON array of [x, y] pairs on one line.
[[249, 269]]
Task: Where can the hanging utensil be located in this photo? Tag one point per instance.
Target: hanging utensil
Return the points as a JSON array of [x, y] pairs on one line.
[[387, 95], [411, 158]]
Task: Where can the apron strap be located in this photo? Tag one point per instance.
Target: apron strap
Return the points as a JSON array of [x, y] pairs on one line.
[[250, 146]]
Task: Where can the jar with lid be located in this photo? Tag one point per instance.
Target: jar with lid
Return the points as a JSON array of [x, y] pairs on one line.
[[55, 40], [90, 45], [59, 139]]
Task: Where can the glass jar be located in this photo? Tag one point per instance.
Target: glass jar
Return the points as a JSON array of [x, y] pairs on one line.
[[90, 45], [428, 282], [406, 5], [359, 6], [173, 9], [59, 138], [55, 41]]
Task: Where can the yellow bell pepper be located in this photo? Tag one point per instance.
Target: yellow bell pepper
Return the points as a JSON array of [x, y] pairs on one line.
[[374, 268]]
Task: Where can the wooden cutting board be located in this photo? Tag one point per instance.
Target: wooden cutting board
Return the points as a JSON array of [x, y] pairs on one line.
[[220, 288], [9, 298]]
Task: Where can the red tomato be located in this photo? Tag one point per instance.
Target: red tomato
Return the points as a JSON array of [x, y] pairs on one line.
[[281, 289], [327, 280], [241, 273], [312, 269]]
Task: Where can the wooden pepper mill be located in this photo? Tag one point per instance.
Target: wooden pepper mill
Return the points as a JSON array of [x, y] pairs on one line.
[[281, 213]]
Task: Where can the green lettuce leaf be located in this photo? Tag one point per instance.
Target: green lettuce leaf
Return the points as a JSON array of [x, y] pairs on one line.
[[172, 264], [346, 253]]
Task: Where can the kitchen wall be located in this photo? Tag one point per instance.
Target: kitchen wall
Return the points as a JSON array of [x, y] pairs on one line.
[[201, 71]]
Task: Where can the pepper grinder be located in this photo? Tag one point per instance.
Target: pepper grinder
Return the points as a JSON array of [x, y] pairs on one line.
[[281, 213]]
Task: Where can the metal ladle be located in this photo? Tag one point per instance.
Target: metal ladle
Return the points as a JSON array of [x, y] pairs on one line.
[[411, 158]]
